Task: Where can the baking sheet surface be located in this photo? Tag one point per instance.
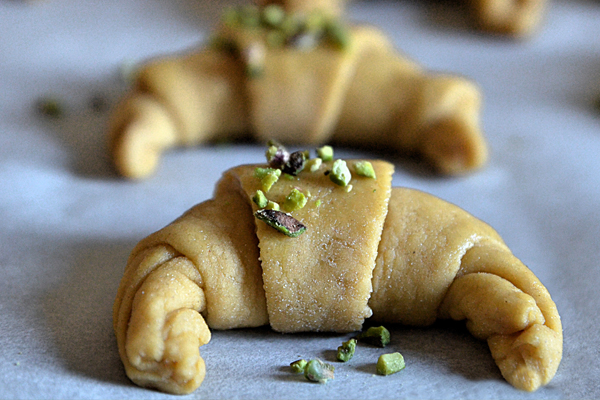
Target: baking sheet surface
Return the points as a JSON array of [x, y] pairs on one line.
[[68, 223]]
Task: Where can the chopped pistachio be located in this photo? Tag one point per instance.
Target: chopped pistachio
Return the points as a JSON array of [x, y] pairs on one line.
[[298, 366], [262, 172], [315, 23], [271, 205], [364, 168], [267, 176], [314, 164], [348, 188], [275, 39], [230, 17], [318, 203], [277, 155], [289, 177], [325, 153], [249, 16], [390, 363], [273, 15], [337, 34], [346, 350], [295, 200], [49, 107], [260, 199], [290, 25], [378, 336], [318, 371], [295, 164], [340, 174], [281, 221]]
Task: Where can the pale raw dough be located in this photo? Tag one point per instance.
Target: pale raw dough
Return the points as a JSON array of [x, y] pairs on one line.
[[400, 254], [364, 95]]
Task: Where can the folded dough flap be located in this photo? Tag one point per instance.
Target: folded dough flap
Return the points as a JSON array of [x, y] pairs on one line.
[[298, 96], [218, 237], [321, 280], [204, 91], [420, 254]]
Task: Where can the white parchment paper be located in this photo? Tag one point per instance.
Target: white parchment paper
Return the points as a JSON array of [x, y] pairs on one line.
[[67, 223]]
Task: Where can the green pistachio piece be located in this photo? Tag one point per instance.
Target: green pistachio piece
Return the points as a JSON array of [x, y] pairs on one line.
[[290, 26], [275, 39], [267, 176], [298, 366], [337, 34], [295, 200], [260, 199], [390, 363], [273, 15], [325, 153], [346, 350], [231, 17], [271, 205], [249, 16], [281, 221], [318, 371], [314, 164], [340, 174], [364, 168], [49, 107], [318, 203], [378, 336], [315, 23]]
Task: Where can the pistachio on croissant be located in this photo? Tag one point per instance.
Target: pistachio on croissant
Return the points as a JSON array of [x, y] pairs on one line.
[[300, 78], [367, 251]]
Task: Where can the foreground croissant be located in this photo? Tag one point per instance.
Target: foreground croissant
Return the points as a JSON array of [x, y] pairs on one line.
[[390, 254], [319, 81]]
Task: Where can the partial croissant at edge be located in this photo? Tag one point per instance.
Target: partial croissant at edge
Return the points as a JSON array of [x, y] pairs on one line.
[[356, 90], [393, 255]]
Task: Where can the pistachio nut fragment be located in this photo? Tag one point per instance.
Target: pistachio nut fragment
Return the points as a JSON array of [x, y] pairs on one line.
[[378, 336], [295, 164], [267, 176], [281, 221], [364, 168], [260, 199], [273, 15], [277, 155], [325, 153], [390, 363], [295, 200], [271, 205], [314, 164], [49, 107], [340, 174], [298, 366], [346, 351], [318, 371]]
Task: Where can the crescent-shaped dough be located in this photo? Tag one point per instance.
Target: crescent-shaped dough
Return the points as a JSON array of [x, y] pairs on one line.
[[400, 254]]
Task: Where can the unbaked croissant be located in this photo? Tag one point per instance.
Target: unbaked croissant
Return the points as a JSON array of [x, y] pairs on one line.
[[368, 251], [508, 17], [342, 84]]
